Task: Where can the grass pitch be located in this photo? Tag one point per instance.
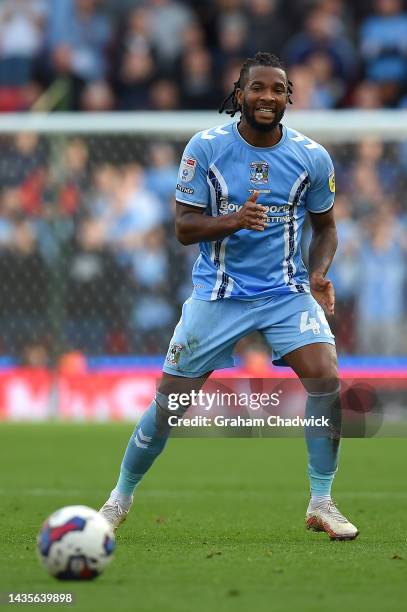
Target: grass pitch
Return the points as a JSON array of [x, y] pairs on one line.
[[218, 524]]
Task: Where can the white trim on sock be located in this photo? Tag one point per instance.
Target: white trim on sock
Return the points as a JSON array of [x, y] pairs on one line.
[[317, 501], [124, 501]]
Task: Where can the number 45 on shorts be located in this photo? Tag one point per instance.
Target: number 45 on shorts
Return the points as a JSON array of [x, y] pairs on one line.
[[308, 322]]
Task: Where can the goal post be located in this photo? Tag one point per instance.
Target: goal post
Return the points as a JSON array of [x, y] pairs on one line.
[[335, 126]]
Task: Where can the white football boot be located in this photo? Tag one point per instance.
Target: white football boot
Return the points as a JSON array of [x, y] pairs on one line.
[[114, 513], [327, 517]]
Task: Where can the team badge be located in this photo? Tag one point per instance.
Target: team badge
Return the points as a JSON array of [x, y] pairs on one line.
[[259, 172], [174, 353], [332, 182], [187, 169]]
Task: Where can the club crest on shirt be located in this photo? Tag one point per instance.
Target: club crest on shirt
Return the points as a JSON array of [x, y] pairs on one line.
[[174, 353], [259, 172], [187, 169]]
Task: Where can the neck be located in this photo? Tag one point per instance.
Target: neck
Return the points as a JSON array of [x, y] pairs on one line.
[[258, 138]]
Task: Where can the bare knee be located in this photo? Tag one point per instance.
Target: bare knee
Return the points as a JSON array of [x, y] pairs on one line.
[[317, 367]]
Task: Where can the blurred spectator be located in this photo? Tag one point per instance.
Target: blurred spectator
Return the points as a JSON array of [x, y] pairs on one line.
[[134, 80], [305, 92], [366, 95], [153, 310], [78, 37], [11, 212], [371, 154], [197, 88], [21, 158], [21, 39], [363, 186], [106, 178], [136, 34], [268, 24], [369, 176], [72, 363], [233, 38], [229, 77], [383, 42], [380, 295], [24, 280], [75, 177], [193, 36], [329, 89], [134, 211], [161, 175], [340, 10], [164, 95], [323, 33], [168, 20], [94, 282], [35, 355], [344, 273], [96, 97]]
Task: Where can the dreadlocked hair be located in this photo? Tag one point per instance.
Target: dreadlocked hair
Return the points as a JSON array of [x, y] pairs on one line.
[[230, 104]]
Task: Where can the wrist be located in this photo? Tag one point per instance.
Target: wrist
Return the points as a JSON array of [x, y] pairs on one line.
[[236, 223], [316, 275]]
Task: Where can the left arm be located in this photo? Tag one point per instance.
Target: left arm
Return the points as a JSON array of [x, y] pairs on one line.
[[321, 253]]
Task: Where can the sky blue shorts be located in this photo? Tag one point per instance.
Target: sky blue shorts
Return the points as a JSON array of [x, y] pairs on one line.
[[207, 332]]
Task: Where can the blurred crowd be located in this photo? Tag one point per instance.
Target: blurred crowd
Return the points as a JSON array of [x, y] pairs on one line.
[[89, 261], [97, 55]]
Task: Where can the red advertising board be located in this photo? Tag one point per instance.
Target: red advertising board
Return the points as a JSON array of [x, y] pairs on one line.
[[30, 394]]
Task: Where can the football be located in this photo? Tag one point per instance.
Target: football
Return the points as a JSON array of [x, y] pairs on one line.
[[75, 543]]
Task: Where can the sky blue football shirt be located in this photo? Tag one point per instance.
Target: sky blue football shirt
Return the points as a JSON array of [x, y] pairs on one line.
[[218, 172]]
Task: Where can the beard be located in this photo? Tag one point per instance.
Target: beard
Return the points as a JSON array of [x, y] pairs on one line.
[[261, 127]]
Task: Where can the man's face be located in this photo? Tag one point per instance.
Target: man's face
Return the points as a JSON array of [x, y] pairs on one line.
[[264, 97]]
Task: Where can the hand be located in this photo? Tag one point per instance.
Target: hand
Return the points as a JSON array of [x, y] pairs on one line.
[[323, 291], [252, 216]]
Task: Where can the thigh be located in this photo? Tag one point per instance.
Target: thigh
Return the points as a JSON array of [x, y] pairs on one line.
[[181, 384], [317, 367], [297, 320], [206, 335]]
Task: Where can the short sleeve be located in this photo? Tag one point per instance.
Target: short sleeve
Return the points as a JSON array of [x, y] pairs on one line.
[[321, 193], [192, 187]]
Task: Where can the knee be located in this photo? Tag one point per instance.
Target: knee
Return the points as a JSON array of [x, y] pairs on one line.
[[324, 364], [323, 375]]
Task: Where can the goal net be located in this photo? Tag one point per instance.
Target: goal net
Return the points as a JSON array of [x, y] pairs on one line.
[[89, 261]]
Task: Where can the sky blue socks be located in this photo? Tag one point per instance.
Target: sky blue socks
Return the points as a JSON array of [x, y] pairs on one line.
[[323, 450], [146, 443], [151, 434]]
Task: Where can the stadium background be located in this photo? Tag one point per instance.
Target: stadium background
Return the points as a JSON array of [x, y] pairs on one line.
[[91, 275]]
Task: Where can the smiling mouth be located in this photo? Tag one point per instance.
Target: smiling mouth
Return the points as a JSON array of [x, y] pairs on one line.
[[265, 111]]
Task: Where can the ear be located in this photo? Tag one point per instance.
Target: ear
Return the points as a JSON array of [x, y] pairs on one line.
[[239, 96]]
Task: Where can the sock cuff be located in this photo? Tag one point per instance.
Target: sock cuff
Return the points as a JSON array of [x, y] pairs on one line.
[[162, 401], [327, 394]]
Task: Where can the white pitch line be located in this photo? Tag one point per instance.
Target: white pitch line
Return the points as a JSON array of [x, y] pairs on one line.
[[185, 493]]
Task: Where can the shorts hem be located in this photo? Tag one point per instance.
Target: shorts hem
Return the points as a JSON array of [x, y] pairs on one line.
[[188, 374], [278, 359]]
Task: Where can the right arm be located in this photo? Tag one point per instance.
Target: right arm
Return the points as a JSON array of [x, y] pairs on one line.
[[192, 226]]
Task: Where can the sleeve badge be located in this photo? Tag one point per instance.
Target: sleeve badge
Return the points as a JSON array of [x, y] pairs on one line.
[[332, 182], [187, 169]]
